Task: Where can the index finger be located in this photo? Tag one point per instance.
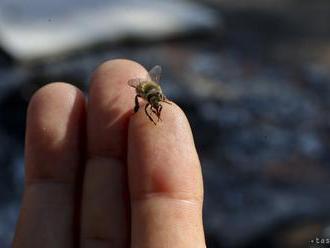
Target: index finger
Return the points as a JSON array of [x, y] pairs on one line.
[[165, 181]]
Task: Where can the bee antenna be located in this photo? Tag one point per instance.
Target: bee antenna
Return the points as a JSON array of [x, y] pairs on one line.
[[166, 101]]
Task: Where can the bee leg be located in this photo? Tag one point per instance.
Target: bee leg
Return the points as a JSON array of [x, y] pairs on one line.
[[158, 112], [145, 109], [153, 110], [136, 108]]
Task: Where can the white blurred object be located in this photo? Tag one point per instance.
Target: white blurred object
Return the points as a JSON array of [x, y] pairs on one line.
[[38, 29]]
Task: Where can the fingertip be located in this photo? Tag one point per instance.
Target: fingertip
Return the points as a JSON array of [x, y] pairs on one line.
[[173, 127], [110, 104], [117, 64], [116, 71], [55, 92], [49, 107]]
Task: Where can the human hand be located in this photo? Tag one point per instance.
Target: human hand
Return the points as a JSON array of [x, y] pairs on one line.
[[98, 175]]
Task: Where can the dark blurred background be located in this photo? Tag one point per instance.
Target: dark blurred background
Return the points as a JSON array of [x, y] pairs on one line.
[[252, 76]]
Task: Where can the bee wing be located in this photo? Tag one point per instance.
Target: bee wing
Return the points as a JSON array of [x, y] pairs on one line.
[[155, 73], [134, 82]]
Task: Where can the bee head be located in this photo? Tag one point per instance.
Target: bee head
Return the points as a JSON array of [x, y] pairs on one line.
[[155, 99], [159, 96]]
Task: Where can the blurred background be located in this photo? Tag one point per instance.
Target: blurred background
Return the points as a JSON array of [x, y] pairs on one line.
[[253, 77]]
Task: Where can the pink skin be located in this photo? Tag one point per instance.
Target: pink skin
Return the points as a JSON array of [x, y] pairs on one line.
[[98, 176]]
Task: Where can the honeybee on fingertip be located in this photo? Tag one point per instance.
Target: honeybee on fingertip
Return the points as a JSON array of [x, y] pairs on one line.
[[149, 90]]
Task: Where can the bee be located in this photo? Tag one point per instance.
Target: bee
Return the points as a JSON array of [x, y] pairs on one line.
[[149, 89]]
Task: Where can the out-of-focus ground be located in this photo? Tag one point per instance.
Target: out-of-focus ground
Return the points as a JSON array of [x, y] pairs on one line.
[[256, 90]]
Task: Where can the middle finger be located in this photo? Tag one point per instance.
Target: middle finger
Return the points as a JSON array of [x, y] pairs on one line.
[[105, 206]]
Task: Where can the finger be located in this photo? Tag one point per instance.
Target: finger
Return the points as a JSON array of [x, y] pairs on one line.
[[165, 182], [111, 101], [105, 218], [53, 157]]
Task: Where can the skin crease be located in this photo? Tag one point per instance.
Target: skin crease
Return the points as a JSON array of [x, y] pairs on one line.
[[98, 175]]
